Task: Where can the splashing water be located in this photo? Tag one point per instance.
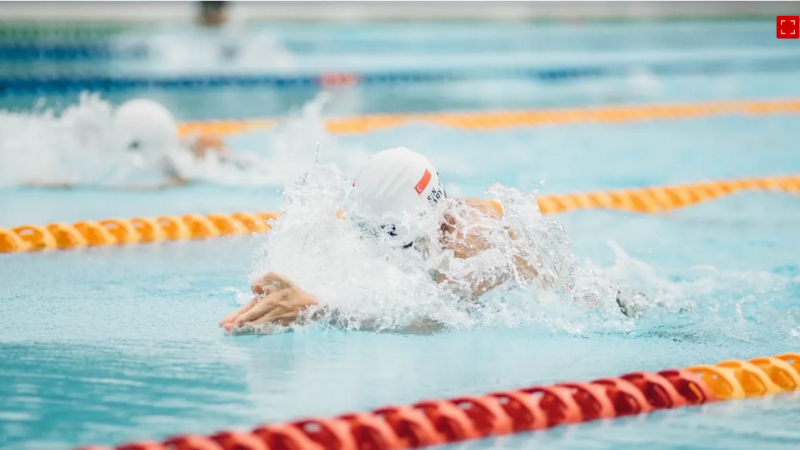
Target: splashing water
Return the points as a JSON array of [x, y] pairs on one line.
[[299, 142], [708, 302], [80, 147], [372, 282], [72, 148]]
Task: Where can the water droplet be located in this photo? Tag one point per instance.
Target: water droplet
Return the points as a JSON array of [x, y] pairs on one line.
[[542, 182], [650, 250]]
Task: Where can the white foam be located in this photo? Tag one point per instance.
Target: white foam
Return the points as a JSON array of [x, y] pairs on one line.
[[373, 283], [79, 147], [705, 300], [42, 147]]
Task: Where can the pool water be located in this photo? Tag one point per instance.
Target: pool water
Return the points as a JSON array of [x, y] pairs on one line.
[[112, 344]]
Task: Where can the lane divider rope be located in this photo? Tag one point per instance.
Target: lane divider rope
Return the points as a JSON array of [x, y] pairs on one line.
[[69, 79], [434, 422], [21, 51], [62, 47], [508, 119], [194, 226], [140, 230]]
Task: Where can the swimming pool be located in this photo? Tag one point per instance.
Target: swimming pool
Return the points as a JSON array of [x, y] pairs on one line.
[[113, 344]]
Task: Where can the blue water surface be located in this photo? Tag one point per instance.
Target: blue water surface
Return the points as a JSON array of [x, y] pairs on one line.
[[107, 345]]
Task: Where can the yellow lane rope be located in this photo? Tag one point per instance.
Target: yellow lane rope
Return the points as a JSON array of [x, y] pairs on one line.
[[508, 119], [195, 226]]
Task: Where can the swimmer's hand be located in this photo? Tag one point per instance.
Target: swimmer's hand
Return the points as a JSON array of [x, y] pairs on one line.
[[278, 301], [208, 143]]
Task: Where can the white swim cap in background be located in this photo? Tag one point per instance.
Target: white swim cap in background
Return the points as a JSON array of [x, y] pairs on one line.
[[396, 184], [147, 127]]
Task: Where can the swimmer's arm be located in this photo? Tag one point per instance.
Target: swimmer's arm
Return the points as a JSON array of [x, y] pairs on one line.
[[209, 144], [179, 181], [203, 144], [475, 243], [480, 284]]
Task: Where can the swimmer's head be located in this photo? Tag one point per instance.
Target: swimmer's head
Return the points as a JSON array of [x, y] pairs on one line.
[[147, 131], [394, 186]]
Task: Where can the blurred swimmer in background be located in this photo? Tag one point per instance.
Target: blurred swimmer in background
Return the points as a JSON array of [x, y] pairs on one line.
[[148, 132], [137, 145], [397, 195]]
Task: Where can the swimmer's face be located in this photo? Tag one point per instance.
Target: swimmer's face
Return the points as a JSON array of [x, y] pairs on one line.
[[446, 229]]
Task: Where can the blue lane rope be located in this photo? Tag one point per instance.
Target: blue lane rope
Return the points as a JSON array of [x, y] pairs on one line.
[[63, 83], [54, 49], [71, 52]]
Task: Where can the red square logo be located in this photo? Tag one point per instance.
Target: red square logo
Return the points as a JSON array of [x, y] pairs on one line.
[[788, 27]]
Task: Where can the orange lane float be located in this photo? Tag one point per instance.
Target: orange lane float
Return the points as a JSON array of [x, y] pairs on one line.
[[435, 422], [508, 119], [195, 226]]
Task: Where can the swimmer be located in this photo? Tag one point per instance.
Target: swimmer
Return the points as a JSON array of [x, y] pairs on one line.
[[149, 133], [392, 184], [139, 147]]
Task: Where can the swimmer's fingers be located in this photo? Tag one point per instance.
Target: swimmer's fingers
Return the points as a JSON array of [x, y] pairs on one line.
[[287, 307], [262, 308], [244, 309], [279, 314], [230, 318], [241, 330], [270, 317], [235, 330]]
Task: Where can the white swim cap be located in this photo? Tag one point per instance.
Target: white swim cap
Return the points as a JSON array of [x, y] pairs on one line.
[[396, 184], [146, 127]]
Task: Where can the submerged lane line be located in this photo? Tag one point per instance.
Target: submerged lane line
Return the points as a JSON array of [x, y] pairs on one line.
[[138, 230], [508, 119]]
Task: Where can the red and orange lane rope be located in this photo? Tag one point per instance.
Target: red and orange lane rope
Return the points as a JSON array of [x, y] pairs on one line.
[[195, 226], [434, 422], [508, 119]]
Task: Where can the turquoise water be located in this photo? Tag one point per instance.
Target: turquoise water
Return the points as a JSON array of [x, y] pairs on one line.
[[113, 344]]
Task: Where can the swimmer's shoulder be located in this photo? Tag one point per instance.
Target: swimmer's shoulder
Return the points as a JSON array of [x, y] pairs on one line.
[[490, 207]]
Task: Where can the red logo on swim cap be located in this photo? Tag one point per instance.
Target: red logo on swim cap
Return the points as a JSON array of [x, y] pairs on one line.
[[423, 182]]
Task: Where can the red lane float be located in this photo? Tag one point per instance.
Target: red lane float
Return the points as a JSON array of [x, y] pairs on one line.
[[434, 422]]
